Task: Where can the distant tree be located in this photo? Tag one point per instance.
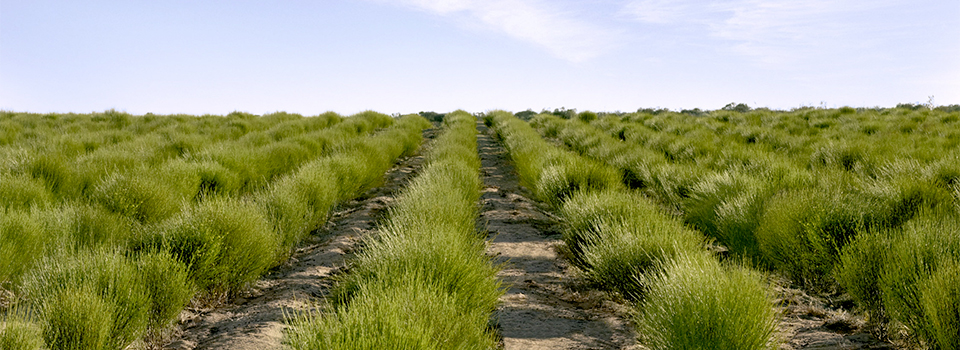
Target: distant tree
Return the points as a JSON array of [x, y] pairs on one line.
[[949, 108], [736, 107], [696, 112], [911, 106], [525, 115], [433, 116], [565, 113], [587, 116], [653, 111]]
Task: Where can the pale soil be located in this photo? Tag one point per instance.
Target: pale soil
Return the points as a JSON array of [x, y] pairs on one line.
[[255, 320], [811, 322], [546, 306]]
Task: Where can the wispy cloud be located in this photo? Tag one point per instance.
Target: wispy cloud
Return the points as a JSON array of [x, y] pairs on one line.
[[533, 21], [771, 31]]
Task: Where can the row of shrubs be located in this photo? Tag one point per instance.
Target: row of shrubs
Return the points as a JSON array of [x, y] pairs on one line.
[[860, 142], [230, 166], [110, 275], [423, 282], [800, 222], [121, 200], [87, 132], [686, 298]]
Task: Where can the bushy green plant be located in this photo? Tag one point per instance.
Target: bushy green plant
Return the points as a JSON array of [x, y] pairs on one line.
[[91, 300], [696, 303], [22, 192], [940, 302], [142, 198], [22, 241], [80, 225], [168, 286], [405, 315], [225, 243], [56, 172], [615, 237], [424, 281], [925, 245], [18, 332], [859, 269]]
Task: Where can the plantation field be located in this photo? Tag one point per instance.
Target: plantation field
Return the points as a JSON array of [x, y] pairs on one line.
[[837, 228]]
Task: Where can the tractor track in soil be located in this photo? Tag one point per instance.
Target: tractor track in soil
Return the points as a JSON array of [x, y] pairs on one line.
[[546, 305]]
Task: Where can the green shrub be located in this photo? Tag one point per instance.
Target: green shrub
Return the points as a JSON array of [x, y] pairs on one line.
[[21, 192], [695, 303], [615, 237], [940, 302], [859, 269], [141, 198], [802, 232], [91, 300], [18, 332], [405, 315], [167, 285], [56, 172], [287, 211], [22, 241], [727, 206], [924, 245], [78, 318], [561, 177], [80, 225], [225, 243]]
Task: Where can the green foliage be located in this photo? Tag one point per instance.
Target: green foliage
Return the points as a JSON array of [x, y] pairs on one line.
[[225, 243], [91, 300], [940, 302], [405, 315], [22, 192], [167, 285], [910, 274], [552, 174], [19, 333], [22, 241], [695, 303], [860, 267], [82, 225], [616, 237], [141, 198], [424, 281]]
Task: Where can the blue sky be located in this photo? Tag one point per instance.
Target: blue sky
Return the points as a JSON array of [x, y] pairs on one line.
[[402, 56]]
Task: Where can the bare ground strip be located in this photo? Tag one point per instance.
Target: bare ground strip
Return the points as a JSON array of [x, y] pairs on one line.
[[546, 306]]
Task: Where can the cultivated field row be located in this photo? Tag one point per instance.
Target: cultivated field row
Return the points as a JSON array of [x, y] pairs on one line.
[[622, 242], [106, 242], [838, 201]]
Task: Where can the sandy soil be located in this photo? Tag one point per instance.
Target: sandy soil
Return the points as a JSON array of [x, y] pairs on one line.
[[812, 322], [546, 305], [255, 320]]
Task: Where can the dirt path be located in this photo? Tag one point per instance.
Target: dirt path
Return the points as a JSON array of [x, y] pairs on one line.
[[546, 306], [254, 321], [811, 322]]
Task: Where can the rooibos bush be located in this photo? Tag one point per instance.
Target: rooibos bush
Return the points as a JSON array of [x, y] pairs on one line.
[[225, 243], [615, 237], [92, 300], [22, 192], [923, 247], [22, 242], [696, 303], [167, 285], [141, 198]]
